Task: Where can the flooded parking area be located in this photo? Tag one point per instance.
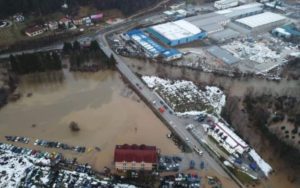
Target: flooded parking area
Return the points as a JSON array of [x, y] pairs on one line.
[[106, 110]]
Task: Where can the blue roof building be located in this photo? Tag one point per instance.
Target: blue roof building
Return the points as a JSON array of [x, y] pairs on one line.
[[151, 48]]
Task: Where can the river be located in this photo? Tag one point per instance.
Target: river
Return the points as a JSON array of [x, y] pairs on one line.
[[233, 86]]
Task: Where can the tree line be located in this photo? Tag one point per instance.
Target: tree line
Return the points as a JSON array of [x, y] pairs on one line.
[[42, 7], [88, 57], [35, 62], [259, 116]]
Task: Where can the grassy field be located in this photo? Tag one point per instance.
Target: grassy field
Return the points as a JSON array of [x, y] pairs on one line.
[[244, 178], [14, 33], [10, 35]]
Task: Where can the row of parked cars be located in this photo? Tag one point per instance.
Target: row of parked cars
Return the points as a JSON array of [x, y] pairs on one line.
[[54, 157], [181, 180], [52, 144], [169, 163], [17, 139]]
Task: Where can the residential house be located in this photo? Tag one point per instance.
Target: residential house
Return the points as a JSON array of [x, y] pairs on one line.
[[97, 17], [35, 30], [135, 157], [53, 25], [77, 20], [87, 21], [65, 21], [18, 17]]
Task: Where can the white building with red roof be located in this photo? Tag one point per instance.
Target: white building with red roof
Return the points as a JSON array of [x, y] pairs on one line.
[[135, 157]]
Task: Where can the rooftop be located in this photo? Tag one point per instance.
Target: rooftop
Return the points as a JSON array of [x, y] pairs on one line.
[[34, 29], [147, 43], [261, 19], [206, 19], [249, 6], [177, 30], [136, 153], [232, 139], [222, 54]]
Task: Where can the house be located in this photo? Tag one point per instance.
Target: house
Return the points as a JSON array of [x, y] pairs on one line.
[[18, 17], [53, 25], [65, 21], [135, 157], [78, 21], [87, 21], [97, 17], [35, 30]]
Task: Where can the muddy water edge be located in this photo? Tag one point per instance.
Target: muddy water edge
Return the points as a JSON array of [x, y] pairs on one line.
[[107, 111], [237, 87]]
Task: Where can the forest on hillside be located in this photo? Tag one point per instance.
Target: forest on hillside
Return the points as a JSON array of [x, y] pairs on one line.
[[41, 7]]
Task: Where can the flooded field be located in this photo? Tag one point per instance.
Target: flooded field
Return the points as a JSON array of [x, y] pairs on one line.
[[108, 113]]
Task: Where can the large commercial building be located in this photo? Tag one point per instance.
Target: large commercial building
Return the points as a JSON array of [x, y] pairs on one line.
[[151, 48], [135, 157], [223, 54], [242, 11], [210, 23], [262, 22], [226, 138], [223, 4], [215, 21], [176, 33]]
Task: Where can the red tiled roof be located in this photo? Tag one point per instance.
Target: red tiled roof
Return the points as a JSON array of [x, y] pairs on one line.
[[34, 29], [130, 153]]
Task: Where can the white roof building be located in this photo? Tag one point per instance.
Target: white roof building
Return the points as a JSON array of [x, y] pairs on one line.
[[177, 30], [265, 167], [264, 21], [223, 4], [227, 138]]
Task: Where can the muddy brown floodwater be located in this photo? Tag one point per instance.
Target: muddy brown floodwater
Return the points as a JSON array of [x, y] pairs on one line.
[[107, 111]]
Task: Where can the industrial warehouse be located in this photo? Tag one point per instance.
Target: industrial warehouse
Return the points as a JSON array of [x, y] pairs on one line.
[[262, 22], [176, 33], [151, 48], [222, 32]]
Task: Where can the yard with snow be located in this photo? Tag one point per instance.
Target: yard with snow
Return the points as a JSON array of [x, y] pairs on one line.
[[184, 97]]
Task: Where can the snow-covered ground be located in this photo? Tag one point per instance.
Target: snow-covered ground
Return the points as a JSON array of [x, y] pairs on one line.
[[185, 98], [21, 167], [14, 167]]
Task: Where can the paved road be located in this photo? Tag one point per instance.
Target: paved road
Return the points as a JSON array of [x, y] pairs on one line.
[[177, 124]]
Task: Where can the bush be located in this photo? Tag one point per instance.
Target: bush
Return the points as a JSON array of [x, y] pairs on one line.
[[74, 127]]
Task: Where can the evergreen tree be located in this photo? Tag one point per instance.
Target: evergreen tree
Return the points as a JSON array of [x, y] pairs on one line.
[[67, 49], [94, 46], [76, 46]]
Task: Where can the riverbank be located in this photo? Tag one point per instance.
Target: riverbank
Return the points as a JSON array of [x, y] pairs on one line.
[[232, 86]]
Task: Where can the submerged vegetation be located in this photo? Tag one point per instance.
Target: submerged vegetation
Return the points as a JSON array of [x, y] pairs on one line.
[[87, 58], [35, 62]]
